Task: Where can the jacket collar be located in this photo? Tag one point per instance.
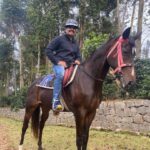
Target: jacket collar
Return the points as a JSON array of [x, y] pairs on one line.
[[69, 38]]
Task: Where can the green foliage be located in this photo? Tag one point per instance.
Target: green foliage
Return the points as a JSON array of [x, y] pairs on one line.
[[15, 101], [110, 89], [93, 42], [40, 21], [6, 52], [36, 22], [4, 101], [6, 62], [142, 88], [13, 16]]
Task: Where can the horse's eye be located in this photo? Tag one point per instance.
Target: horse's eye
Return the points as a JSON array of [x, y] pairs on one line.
[[126, 49], [132, 42]]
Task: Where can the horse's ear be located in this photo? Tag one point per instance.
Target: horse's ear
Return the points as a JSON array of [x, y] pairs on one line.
[[126, 33], [137, 36]]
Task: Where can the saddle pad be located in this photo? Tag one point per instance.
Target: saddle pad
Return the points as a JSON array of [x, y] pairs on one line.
[[68, 78], [45, 83]]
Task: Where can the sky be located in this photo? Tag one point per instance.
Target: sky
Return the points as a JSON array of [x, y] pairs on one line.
[[146, 21]]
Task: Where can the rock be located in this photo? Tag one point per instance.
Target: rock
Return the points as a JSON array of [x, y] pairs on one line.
[[138, 119]]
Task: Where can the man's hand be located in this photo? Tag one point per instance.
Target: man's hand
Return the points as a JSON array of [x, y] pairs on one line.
[[62, 63], [77, 62]]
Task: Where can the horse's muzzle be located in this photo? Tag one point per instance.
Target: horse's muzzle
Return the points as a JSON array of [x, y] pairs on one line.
[[129, 85]]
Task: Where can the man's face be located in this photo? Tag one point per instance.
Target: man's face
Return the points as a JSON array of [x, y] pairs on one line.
[[71, 30]]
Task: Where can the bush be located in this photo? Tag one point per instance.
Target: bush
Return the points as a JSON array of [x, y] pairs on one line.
[[142, 88], [15, 101], [4, 101], [94, 41], [110, 89]]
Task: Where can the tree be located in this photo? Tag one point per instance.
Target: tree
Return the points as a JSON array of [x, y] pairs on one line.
[[146, 50], [46, 20], [133, 13], [14, 18], [6, 65], [139, 26]]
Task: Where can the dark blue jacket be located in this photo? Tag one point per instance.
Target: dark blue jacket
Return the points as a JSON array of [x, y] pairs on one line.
[[63, 48]]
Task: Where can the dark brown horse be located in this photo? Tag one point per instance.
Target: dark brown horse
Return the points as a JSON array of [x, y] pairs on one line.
[[83, 96]]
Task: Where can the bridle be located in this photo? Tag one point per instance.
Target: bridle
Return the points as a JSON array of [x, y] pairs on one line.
[[120, 62]]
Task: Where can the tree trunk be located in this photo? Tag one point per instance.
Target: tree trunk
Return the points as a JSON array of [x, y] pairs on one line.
[[133, 13], [15, 79], [139, 28], [81, 35], [20, 61], [81, 23], [7, 86], [48, 66], [38, 64], [118, 17], [122, 23]]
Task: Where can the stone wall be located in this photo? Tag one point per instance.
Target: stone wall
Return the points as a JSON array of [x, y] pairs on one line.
[[128, 115]]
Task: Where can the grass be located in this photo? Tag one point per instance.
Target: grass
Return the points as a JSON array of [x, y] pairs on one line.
[[63, 138]]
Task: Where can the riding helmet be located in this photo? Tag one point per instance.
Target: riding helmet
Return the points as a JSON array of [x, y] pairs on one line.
[[72, 22]]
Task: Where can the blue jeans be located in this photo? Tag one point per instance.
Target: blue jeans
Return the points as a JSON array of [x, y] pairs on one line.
[[59, 75]]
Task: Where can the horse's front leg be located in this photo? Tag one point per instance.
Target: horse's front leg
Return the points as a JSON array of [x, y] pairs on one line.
[[88, 120], [79, 119], [44, 117]]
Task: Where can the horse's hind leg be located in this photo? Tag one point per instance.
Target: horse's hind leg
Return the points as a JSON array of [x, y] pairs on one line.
[[28, 114], [24, 128], [45, 114]]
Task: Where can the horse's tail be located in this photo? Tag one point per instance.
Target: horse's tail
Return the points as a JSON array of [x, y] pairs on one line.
[[35, 122]]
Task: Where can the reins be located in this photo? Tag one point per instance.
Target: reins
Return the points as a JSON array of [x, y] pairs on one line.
[[97, 79]]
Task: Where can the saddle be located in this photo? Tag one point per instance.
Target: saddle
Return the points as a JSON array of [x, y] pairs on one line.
[[47, 80]]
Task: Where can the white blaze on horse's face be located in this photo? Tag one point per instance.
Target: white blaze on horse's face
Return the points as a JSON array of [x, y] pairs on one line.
[[133, 72]]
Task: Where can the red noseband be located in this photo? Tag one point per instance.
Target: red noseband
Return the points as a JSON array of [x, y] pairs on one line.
[[121, 64]]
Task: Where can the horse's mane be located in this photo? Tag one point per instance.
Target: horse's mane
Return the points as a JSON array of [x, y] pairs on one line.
[[104, 47]]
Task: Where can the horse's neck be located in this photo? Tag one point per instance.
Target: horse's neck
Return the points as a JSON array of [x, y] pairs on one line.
[[97, 65]]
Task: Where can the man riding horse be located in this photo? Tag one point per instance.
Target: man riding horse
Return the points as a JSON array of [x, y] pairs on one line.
[[62, 52]]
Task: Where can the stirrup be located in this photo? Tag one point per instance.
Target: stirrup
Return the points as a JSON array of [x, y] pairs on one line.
[[57, 106]]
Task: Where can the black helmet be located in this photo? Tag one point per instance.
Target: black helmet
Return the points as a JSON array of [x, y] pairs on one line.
[[72, 22]]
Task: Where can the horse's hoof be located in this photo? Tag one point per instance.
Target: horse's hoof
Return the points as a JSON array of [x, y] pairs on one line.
[[20, 147], [40, 148], [56, 113]]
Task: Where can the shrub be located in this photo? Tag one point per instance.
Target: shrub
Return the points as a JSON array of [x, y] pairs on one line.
[[15, 101], [4, 101]]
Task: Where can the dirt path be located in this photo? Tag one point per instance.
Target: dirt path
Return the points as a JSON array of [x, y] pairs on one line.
[[4, 141]]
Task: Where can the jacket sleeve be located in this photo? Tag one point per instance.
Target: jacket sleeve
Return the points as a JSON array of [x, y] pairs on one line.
[[51, 50]]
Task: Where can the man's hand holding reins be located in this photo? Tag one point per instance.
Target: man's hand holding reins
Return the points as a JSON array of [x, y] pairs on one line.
[[77, 62], [62, 63]]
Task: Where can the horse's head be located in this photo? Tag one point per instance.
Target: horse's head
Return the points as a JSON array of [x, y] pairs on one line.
[[121, 58]]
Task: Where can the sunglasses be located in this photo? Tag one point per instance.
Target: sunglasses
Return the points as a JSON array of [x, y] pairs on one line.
[[71, 27]]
